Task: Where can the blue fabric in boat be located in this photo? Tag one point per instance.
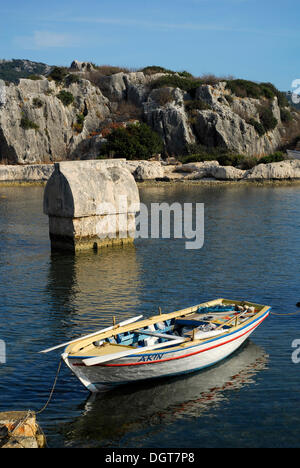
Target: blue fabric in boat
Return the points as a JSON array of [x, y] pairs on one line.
[[189, 322], [128, 339], [218, 308]]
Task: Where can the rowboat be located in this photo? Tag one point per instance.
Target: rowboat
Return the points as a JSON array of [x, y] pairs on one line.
[[163, 345]]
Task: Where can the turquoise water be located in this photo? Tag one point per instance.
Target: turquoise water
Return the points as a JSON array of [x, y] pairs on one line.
[[251, 251]]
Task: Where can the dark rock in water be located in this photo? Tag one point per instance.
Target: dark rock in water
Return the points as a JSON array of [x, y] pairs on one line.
[[298, 304]]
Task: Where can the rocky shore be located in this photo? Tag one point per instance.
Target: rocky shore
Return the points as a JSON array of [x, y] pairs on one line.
[[19, 429], [156, 171]]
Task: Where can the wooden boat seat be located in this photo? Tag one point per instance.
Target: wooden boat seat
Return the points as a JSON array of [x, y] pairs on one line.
[[191, 321]]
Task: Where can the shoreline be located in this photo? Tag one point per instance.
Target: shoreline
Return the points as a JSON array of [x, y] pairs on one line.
[[173, 183], [154, 173]]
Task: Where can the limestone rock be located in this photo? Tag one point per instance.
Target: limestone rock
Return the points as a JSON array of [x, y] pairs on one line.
[[196, 166], [22, 430], [149, 171], [227, 129], [170, 121], [113, 86], [30, 173], [227, 173], [277, 171], [57, 132], [54, 134], [81, 66], [21, 443]]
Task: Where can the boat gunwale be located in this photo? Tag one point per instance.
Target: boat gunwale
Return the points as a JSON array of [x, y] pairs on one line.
[[128, 364], [264, 310]]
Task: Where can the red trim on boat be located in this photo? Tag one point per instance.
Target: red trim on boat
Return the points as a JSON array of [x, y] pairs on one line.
[[177, 357]]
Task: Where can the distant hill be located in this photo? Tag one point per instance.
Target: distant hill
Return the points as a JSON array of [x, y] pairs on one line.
[[13, 70]]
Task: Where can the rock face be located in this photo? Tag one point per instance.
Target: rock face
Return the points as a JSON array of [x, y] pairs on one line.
[[30, 173], [170, 120], [275, 171], [37, 127], [226, 126], [90, 204], [81, 66]]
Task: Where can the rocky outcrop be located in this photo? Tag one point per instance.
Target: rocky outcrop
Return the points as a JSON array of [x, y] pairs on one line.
[[150, 171], [36, 126], [275, 171], [170, 119], [30, 173], [81, 66], [227, 125], [154, 170], [19, 429]]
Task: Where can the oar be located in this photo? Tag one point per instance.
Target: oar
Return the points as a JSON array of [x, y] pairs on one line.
[[125, 322], [111, 357]]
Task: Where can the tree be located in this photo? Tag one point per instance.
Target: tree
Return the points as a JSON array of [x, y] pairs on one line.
[[136, 141]]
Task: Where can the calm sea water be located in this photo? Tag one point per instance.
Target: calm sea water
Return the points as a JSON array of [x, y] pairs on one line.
[[251, 251]]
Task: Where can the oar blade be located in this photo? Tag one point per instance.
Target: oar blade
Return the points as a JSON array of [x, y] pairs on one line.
[[121, 324]]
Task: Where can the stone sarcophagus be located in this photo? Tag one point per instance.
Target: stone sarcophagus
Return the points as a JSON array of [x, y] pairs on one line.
[[90, 204]]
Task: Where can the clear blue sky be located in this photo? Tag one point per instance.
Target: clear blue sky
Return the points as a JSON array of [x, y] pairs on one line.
[[252, 39]]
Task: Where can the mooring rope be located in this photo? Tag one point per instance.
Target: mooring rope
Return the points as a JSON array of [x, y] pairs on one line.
[[52, 390], [283, 315]]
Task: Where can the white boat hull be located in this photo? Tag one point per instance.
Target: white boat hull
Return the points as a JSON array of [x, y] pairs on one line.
[[163, 362]]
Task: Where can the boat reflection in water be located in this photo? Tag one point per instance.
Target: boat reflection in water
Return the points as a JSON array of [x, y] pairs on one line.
[[108, 417]]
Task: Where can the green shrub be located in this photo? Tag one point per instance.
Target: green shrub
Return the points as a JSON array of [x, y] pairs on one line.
[[58, 74], [273, 91], [229, 99], [27, 124], [196, 104], [78, 126], [137, 141], [245, 88], [174, 81], [34, 77], [185, 74], [285, 115], [153, 69], [65, 97], [71, 78], [258, 127], [275, 157], [37, 103], [200, 153], [228, 158], [267, 118]]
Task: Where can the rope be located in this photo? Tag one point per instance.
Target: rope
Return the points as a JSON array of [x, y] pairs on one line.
[[52, 390], [283, 315], [22, 420]]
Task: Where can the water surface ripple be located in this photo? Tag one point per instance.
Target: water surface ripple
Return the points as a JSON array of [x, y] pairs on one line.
[[251, 251]]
